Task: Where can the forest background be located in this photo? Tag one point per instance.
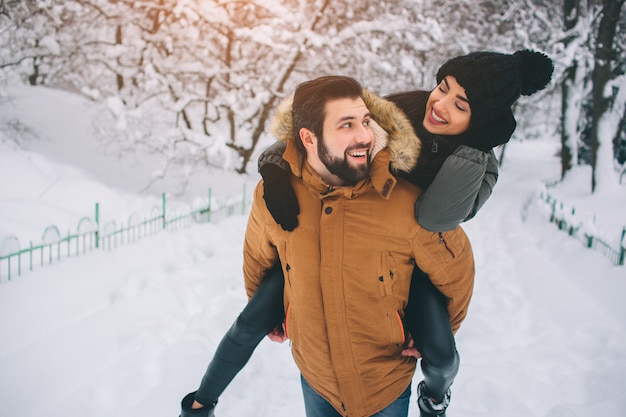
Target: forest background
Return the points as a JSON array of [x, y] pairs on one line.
[[194, 82]]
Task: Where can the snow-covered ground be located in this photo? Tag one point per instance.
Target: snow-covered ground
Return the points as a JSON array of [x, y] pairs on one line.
[[129, 332]]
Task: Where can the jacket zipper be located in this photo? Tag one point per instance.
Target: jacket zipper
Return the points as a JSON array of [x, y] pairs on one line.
[[445, 245], [401, 327]]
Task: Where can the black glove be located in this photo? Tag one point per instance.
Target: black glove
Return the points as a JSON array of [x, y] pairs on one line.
[[279, 196], [494, 133]]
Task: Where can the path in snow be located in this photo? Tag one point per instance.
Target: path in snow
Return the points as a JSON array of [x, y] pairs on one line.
[[534, 343]]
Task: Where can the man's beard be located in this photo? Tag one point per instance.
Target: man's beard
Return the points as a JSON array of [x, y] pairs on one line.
[[340, 167]]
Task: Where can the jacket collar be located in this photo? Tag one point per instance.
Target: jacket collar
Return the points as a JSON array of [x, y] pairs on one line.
[[391, 129], [380, 177]]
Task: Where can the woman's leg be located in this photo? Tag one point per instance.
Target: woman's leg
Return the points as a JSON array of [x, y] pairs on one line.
[[263, 312], [429, 323]]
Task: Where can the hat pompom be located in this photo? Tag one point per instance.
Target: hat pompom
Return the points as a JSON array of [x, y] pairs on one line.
[[536, 69]]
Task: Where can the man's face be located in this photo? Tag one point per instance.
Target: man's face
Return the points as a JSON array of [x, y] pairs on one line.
[[344, 150]]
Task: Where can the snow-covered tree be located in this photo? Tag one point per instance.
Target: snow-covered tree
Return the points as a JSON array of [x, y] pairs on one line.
[[593, 58], [196, 81], [28, 43], [608, 97], [573, 78]]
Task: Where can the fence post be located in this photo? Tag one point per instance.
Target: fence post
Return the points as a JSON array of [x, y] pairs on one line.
[[622, 249], [163, 214], [97, 215], [209, 208]]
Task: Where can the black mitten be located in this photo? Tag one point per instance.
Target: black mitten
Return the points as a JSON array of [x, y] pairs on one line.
[[494, 133], [279, 196]]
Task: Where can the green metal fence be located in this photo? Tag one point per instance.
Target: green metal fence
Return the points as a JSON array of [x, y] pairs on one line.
[[565, 218], [92, 234]]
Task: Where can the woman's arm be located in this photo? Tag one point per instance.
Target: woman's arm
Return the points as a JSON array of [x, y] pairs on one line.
[[487, 185], [278, 193], [273, 155], [460, 188]]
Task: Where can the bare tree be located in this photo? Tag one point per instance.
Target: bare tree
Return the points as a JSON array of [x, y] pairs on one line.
[[570, 94], [196, 82], [603, 100]]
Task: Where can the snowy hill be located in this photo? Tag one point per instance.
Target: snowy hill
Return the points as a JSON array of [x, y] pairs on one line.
[[129, 332]]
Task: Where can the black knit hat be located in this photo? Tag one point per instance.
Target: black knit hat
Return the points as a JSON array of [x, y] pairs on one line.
[[494, 81]]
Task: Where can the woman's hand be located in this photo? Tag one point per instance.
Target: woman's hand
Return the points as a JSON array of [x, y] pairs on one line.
[[278, 334], [411, 350]]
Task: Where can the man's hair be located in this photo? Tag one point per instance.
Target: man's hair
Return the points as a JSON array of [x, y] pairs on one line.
[[310, 98]]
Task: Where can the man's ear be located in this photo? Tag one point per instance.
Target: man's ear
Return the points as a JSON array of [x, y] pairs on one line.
[[308, 138]]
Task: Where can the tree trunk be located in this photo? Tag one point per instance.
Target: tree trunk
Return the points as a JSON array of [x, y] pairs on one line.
[[269, 106], [611, 10], [569, 106], [118, 41]]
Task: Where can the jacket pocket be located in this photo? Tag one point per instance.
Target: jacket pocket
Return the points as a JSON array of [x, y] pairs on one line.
[[452, 243], [396, 327], [448, 248], [387, 270], [283, 251]]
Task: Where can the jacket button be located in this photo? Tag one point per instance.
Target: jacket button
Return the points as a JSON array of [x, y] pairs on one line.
[[288, 267], [328, 210]]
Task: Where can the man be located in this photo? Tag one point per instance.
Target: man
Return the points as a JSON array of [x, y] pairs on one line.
[[348, 265]]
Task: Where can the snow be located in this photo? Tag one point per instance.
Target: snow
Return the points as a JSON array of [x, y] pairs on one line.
[[130, 331]]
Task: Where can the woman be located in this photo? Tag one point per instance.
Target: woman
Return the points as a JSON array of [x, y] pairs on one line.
[[458, 123]]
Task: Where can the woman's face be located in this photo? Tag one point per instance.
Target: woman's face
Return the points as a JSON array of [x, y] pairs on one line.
[[447, 109]]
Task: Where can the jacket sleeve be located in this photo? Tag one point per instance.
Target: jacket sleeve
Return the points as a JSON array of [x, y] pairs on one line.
[[460, 188], [448, 259], [259, 252], [274, 155]]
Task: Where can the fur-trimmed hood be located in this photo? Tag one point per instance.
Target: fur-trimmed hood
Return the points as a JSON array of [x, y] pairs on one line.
[[392, 129]]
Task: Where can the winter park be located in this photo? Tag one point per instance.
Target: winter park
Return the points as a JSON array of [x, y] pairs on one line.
[[129, 139]]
